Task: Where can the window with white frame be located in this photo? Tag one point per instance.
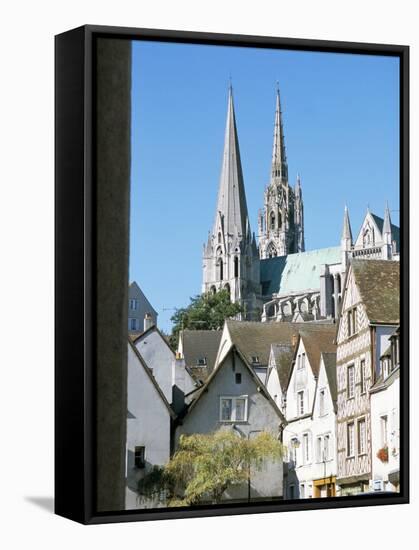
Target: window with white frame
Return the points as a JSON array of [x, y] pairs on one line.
[[322, 402], [133, 304], [306, 449], [350, 439], [363, 376], [384, 428], [319, 449], [133, 324], [362, 437], [300, 403], [301, 362], [351, 381], [233, 409], [352, 322], [326, 447]]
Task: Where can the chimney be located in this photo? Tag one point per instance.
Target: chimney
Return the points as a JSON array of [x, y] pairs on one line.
[[148, 321], [178, 383]]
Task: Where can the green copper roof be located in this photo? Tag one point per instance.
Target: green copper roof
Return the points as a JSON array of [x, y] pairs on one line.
[[296, 272]]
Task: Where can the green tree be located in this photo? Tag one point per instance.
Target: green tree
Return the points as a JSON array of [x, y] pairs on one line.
[[206, 465], [205, 312]]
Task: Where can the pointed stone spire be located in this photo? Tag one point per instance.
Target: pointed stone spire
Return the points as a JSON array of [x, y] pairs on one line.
[[279, 157], [347, 231], [231, 203], [387, 226]]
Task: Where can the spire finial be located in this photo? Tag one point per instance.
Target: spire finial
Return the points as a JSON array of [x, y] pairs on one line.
[[279, 158], [387, 221], [347, 231]]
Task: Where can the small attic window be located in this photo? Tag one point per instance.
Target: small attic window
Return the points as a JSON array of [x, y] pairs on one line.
[[255, 359], [201, 361]]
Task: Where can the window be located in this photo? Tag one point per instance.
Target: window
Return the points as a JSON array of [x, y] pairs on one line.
[[351, 381], [363, 372], [362, 437], [133, 304], [233, 409], [236, 266], [133, 324], [302, 491], [238, 378], [300, 402], [139, 457], [352, 321], [201, 361], [272, 221], [319, 449], [255, 359], [306, 449], [326, 449], [384, 425], [301, 362], [322, 402], [350, 437], [291, 491]]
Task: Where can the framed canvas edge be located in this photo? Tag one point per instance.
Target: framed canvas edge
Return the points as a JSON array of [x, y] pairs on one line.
[[82, 508]]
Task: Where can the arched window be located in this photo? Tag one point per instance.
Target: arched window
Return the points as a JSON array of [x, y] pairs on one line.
[[279, 221], [236, 266], [213, 290], [219, 238], [227, 287], [272, 220], [271, 251], [220, 273]]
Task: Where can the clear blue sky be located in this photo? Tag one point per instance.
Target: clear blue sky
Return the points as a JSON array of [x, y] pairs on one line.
[[341, 124]]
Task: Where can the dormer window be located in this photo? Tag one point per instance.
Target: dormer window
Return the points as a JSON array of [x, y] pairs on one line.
[[301, 362], [201, 362], [255, 359]]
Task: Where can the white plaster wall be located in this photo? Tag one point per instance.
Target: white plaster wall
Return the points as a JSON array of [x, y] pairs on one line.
[[386, 402], [158, 357], [148, 424], [205, 418]]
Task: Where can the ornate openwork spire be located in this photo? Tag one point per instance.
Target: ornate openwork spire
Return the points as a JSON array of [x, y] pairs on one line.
[[279, 157]]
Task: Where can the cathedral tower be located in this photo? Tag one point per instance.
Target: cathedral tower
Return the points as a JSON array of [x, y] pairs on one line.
[[281, 221], [231, 258]]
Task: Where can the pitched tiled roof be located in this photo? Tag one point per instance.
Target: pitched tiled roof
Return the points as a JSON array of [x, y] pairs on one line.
[[318, 342], [296, 272], [329, 360], [255, 339], [201, 344], [379, 285], [283, 354]]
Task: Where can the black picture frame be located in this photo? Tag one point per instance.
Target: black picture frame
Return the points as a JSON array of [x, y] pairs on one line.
[[82, 93]]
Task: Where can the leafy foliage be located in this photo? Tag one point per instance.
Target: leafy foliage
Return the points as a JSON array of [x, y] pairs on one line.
[[205, 312], [206, 465]]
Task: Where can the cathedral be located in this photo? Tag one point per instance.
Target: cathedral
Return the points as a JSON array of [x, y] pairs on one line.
[[274, 278]]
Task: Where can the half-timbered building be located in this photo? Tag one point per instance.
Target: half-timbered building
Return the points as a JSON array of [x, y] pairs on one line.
[[370, 313]]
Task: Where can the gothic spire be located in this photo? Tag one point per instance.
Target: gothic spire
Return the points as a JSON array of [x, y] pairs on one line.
[[279, 156], [231, 203], [347, 231], [387, 223]]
